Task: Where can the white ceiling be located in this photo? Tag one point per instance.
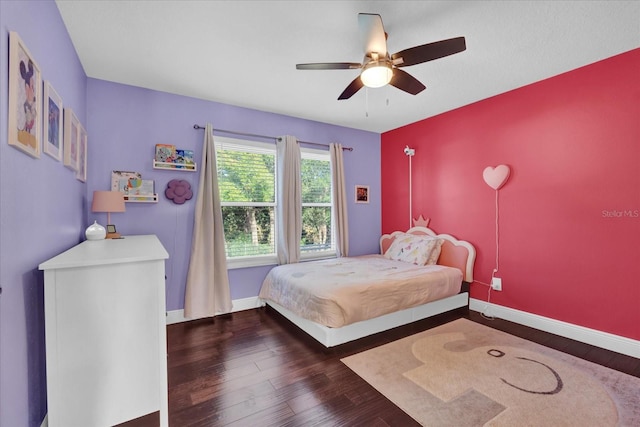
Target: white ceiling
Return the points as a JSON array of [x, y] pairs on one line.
[[244, 52]]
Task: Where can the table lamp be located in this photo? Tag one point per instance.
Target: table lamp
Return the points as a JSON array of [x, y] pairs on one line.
[[108, 201]]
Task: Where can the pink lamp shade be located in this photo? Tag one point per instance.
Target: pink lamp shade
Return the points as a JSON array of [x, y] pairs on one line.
[[108, 201]]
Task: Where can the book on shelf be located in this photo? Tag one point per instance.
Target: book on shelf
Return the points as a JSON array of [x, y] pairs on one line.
[[136, 187], [117, 176], [165, 153], [184, 158]]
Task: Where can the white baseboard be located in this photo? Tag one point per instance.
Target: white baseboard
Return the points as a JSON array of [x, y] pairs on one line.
[[177, 316], [594, 337], [45, 422]]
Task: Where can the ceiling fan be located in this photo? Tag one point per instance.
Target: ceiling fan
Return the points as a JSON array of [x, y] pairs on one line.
[[378, 67]]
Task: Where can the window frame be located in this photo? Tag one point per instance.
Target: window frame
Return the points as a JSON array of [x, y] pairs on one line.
[[323, 155], [261, 148], [269, 148]]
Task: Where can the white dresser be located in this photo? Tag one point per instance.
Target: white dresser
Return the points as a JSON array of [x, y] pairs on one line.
[[106, 332]]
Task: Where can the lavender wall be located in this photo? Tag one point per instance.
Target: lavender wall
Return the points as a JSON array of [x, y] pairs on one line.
[[126, 122], [41, 212], [44, 209]]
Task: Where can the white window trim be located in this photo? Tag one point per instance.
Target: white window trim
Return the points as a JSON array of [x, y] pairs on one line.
[[233, 263], [251, 261], [226, 143], [315, 154]]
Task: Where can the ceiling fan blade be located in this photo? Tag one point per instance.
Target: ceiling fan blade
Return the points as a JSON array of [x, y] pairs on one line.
[[429, 52], [353, 87], [329, 66], [372, 33], [406, 82]]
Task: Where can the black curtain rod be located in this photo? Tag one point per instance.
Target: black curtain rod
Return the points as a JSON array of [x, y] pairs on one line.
[[265, 137]]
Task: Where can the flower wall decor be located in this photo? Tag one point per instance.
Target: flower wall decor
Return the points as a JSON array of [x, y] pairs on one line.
[[178, 191]]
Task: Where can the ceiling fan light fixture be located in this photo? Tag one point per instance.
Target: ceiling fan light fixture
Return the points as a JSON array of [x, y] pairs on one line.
[[376, 74]]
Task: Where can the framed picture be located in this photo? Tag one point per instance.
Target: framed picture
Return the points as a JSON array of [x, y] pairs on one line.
[[71, 138], [52, 123], [362, 194], [81, 173], [25, 98]]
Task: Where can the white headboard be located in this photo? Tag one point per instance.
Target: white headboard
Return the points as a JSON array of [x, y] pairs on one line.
[[454, 253]]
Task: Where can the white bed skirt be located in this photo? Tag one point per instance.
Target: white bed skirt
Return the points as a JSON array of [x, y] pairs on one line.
[[330, 337]]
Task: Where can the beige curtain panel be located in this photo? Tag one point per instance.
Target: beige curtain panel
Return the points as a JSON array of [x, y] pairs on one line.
[[207, 292], [341, 225], [289, 206]]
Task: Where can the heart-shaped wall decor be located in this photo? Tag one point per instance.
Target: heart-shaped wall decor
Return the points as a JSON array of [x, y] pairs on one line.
[[496, 177]]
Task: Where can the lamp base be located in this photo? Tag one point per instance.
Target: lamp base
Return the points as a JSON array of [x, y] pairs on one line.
[[95, 232], [111, 232]]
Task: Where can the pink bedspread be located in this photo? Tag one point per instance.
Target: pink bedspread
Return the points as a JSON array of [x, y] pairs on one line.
[[341, 291]]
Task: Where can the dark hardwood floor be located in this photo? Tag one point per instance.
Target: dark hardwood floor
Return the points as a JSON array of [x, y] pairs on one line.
[[254, 368]]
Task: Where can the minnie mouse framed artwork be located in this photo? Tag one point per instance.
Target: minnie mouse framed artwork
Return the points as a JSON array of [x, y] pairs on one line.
[[25, 99]]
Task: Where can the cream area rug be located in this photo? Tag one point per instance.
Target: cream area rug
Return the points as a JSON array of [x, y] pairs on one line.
[[467, 374]]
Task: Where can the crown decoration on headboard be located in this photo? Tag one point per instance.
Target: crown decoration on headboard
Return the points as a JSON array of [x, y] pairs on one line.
[[496, 177], [421, 222]]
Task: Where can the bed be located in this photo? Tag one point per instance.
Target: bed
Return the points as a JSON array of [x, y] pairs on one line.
[[417, 274]]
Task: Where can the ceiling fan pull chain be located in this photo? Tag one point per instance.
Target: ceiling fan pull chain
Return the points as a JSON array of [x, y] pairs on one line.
[[366, 101]]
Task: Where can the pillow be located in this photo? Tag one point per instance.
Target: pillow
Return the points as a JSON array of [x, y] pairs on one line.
[[435, 253], [414, 249]]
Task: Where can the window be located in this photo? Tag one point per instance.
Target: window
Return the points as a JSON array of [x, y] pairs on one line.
[[247, 183], [315, 168]]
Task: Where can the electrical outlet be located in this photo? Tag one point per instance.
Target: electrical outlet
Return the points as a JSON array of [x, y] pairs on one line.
[[496, 284]]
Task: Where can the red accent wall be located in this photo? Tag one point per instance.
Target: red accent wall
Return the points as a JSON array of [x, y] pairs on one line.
[[569, 216]]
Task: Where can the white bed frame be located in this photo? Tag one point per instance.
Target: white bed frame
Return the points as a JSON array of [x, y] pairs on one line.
[[330, 337]]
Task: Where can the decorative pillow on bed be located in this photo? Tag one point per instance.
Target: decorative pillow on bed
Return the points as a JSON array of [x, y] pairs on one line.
[[435, 253], [414, 249]]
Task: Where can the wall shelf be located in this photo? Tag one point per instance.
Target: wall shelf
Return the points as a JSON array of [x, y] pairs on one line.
[[182, 167], [151, 198]]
